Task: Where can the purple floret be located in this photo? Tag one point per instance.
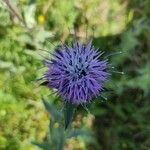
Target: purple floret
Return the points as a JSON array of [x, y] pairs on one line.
[[77, 72]]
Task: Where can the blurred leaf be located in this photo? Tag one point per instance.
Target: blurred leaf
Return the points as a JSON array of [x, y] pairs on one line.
[[4, 17], [44, 146], [69, 110], [7, 65], [38, 144], [61, 140], [51, 110], [29, 15], [78, 132], [41, 35]]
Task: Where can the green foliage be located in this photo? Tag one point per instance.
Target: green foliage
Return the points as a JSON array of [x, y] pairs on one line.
[[69, 110], [57, 134], [122, 122]]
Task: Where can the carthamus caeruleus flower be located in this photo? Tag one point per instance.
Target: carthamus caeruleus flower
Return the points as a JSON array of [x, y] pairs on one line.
[[77, 72]]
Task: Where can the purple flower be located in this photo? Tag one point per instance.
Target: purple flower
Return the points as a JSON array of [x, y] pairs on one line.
[[77, 72]]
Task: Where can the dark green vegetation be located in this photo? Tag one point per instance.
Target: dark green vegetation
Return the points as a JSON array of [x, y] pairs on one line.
[[121, 122]]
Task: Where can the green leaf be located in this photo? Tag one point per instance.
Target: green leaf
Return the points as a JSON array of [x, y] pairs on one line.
[[61, 140], [40, 145], [52, 110], [29, 15], [44, 146], [68, 113]]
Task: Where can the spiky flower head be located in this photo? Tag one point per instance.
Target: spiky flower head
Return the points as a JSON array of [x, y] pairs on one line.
[[77, 72]]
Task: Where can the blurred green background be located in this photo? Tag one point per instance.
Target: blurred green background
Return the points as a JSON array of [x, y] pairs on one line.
[[120, 123]]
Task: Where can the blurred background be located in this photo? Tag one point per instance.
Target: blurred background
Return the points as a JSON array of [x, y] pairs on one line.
[[119, 123]]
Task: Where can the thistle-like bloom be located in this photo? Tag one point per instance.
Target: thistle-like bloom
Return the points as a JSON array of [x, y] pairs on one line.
[[77, 72]]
